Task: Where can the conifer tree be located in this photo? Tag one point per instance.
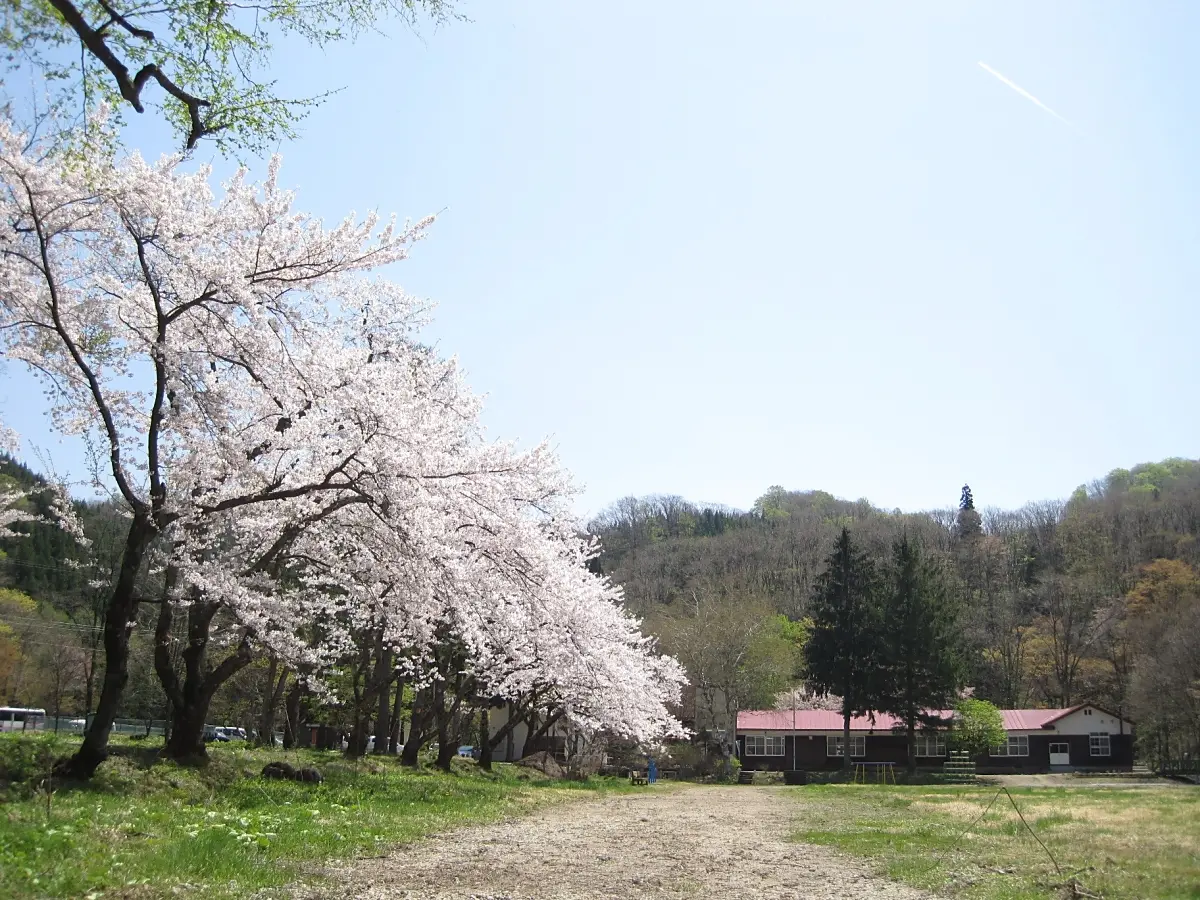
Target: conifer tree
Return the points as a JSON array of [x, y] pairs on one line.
[[969, 525], [921, 666], [844, 652]]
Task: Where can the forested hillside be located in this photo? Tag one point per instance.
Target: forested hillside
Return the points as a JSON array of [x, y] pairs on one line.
[[1093, 598]]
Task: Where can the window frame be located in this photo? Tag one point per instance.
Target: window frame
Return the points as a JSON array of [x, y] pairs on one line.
[[758, 748], [770, 744], [1006, 749], [834, 744], [1095, 742], [925, 741]]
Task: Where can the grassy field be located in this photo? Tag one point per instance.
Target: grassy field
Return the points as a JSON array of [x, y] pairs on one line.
[[147, 829], [1136, 842]]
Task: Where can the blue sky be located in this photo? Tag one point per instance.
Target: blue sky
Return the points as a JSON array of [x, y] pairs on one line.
[[711, 247]]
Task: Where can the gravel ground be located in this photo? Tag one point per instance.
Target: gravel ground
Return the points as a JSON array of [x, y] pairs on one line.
[[694, 842]]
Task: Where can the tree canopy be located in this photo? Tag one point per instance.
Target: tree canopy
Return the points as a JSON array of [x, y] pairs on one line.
[[205, 67]]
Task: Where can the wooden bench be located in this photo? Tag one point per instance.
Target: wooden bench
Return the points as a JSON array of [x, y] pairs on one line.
[[637, 777]]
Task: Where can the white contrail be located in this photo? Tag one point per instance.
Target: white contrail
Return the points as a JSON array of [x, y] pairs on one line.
[[1024, 93]]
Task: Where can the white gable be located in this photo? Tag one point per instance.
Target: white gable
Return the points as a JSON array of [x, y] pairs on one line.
[[1089, 719]]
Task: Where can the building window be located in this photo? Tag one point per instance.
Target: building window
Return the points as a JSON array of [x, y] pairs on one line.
[[931, 745], [858, 745], [1099, 744], [764, 745], [1017, 745], [1087, 712]]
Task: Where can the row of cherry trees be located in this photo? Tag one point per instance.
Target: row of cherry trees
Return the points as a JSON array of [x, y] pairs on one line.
[[301, 476]]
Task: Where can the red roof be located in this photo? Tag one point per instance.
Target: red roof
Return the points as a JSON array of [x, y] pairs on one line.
[[830, 720]]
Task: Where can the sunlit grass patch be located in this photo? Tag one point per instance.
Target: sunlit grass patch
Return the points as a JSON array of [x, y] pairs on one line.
[[152, 829], [1134, 842]]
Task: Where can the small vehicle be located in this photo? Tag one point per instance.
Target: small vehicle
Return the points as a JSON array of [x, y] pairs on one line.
[[223, 733], [468, 752], [18, 718]]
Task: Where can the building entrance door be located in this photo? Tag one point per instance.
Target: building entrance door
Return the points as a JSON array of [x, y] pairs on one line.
[[1060, 754]]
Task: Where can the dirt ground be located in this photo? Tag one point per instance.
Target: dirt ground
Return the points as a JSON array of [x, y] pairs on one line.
[[693, 842]]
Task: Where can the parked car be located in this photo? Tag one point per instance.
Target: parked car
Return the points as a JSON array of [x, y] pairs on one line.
[[224, 733]]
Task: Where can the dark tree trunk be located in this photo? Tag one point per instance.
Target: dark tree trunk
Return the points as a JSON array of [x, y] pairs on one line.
[[89, 685], [291, 716], [383, 712], [516, 715], [543, 732], [190, 701], [266, 722], [356, 743], [485, 739], [442, 716], [412, 747], [396, 733], [421, 714], [531, 720], [121, 614], [186, 743], [912, 747]]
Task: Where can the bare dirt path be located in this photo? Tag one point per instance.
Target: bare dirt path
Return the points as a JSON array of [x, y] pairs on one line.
[[694, 842]]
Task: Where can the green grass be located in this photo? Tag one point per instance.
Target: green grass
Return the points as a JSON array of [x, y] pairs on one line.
[[1139, 842], [145, 828]]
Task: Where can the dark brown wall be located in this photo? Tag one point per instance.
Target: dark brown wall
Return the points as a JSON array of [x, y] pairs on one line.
[[810, 754]]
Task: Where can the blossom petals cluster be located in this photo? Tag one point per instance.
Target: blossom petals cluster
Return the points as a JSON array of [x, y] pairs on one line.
[[261, 393]]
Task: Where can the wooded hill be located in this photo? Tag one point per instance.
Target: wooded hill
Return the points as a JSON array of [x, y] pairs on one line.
[[1096, 597]]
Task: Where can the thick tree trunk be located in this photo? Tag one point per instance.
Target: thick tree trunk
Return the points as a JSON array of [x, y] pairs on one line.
[[356, 744], [421, 714], [485, 739], [190, 701], [186, 743], [531, 722], [412, 747], [383, 711], [119, 621]]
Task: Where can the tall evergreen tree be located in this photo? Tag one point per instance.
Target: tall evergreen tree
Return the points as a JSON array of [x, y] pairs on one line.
[[969, 525], [921, 661], [844, 652]]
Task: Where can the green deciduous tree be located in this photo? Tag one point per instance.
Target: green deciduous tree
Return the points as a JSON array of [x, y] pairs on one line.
[[205, 66], [844, 651], [978, 725]]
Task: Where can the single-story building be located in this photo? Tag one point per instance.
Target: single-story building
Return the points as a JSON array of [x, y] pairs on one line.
[[1039, 740]]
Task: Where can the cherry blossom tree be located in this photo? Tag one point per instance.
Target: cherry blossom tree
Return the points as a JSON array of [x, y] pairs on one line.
[[297, 468]]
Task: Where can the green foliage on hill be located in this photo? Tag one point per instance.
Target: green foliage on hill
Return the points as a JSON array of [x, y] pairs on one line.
[[1044, 591]]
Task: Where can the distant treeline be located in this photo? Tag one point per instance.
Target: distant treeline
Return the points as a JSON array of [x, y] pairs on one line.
[[1096, 597]]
